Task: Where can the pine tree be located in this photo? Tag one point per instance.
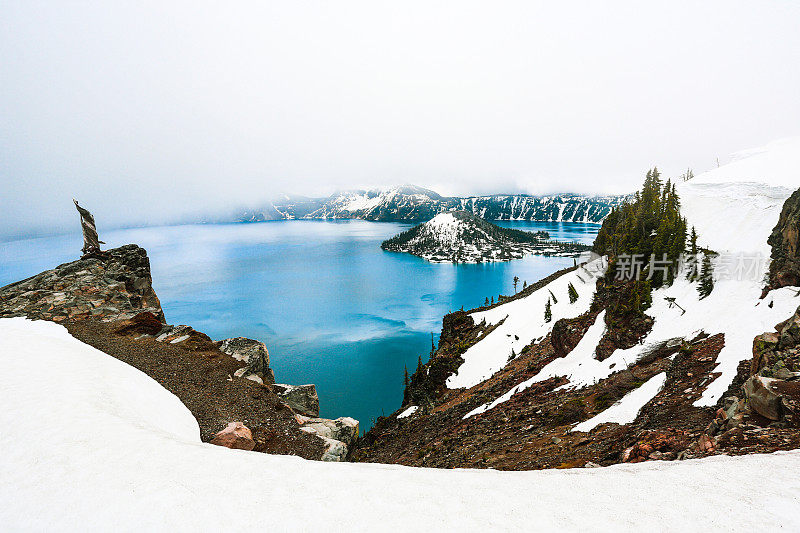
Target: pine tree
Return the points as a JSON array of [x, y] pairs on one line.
[[553, 296], [405, 379], [548, 313], [419, 365], [524, 285], [573, 294], [706, 285], [693, 242], [433, 345], [492, 300], [486, 301], [516, 280]]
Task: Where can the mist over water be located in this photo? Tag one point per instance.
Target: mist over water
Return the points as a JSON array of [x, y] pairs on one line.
[[332, 307]]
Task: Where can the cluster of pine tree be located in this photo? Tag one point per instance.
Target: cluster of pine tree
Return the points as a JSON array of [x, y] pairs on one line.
[[650, 226]]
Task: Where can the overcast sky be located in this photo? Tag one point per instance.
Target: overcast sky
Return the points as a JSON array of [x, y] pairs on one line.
[[146, 111]]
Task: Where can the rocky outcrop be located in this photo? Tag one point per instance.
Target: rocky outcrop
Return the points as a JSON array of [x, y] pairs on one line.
[[252, 352], [117, 287], [338, 436], [784, 269], [301, 398], [236, 436], [344, 429]]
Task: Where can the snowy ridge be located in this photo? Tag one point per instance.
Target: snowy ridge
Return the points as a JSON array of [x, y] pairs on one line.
[[123, 453], [734, 214], [412, 203]]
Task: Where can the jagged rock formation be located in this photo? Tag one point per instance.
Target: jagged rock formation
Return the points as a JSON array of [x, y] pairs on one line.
[[461, 237], [411, 203], [252, 352], [119, 287], [784, 269], [301, 398], [109, 303]]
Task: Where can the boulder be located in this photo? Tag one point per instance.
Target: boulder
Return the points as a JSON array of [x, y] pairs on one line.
[[761, 398], [236, 436], [301, 398], [252, 352], [335, 451], [344, 429]]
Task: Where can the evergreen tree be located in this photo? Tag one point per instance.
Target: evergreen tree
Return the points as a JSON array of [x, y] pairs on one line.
[[405, 378], [492, 300], [419, 365], [516, 280], [706, 285], [548, 313], [650, 227], [693, 242], [553, 296], [486, 301], [524, 285], [433, 345], [573, 294]]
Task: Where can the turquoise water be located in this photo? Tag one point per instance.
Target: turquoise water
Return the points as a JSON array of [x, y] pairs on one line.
[[331, 306]]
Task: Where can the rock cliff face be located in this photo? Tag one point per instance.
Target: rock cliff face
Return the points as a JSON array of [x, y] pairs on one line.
[[784, 269], [113, 289], [109, 303]]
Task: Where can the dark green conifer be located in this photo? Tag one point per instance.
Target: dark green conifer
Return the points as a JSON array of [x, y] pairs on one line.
[[706, 285], [573, 293]]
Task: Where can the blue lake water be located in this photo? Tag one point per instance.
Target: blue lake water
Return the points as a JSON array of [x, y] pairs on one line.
[[332, 307]]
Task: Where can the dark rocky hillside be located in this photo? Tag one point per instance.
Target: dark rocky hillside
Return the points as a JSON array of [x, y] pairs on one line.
[[538, 425]]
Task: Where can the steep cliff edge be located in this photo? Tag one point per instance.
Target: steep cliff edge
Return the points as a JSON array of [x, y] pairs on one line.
[[109, 303], [784, 270]]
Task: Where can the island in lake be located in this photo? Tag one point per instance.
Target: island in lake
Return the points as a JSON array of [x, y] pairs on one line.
[[463, 237]]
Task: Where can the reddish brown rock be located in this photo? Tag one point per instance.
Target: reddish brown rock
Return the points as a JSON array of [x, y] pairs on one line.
[[235, 435]]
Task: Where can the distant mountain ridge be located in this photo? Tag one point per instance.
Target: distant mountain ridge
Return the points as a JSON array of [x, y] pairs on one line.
[[410, 203]]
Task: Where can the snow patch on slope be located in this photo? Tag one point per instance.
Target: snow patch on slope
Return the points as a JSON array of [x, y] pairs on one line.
[[523, 321], [627, 409], [582, 354]]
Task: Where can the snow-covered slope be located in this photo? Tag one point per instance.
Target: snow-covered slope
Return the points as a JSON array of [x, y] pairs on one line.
[[89, 443], [734, 209], [556, 208], [523, 321]]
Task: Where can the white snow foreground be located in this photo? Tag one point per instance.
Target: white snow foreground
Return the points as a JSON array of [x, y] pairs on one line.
[[734, 209], [89, 443]]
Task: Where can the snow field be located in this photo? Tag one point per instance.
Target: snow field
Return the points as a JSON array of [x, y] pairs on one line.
[[89, 443]]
